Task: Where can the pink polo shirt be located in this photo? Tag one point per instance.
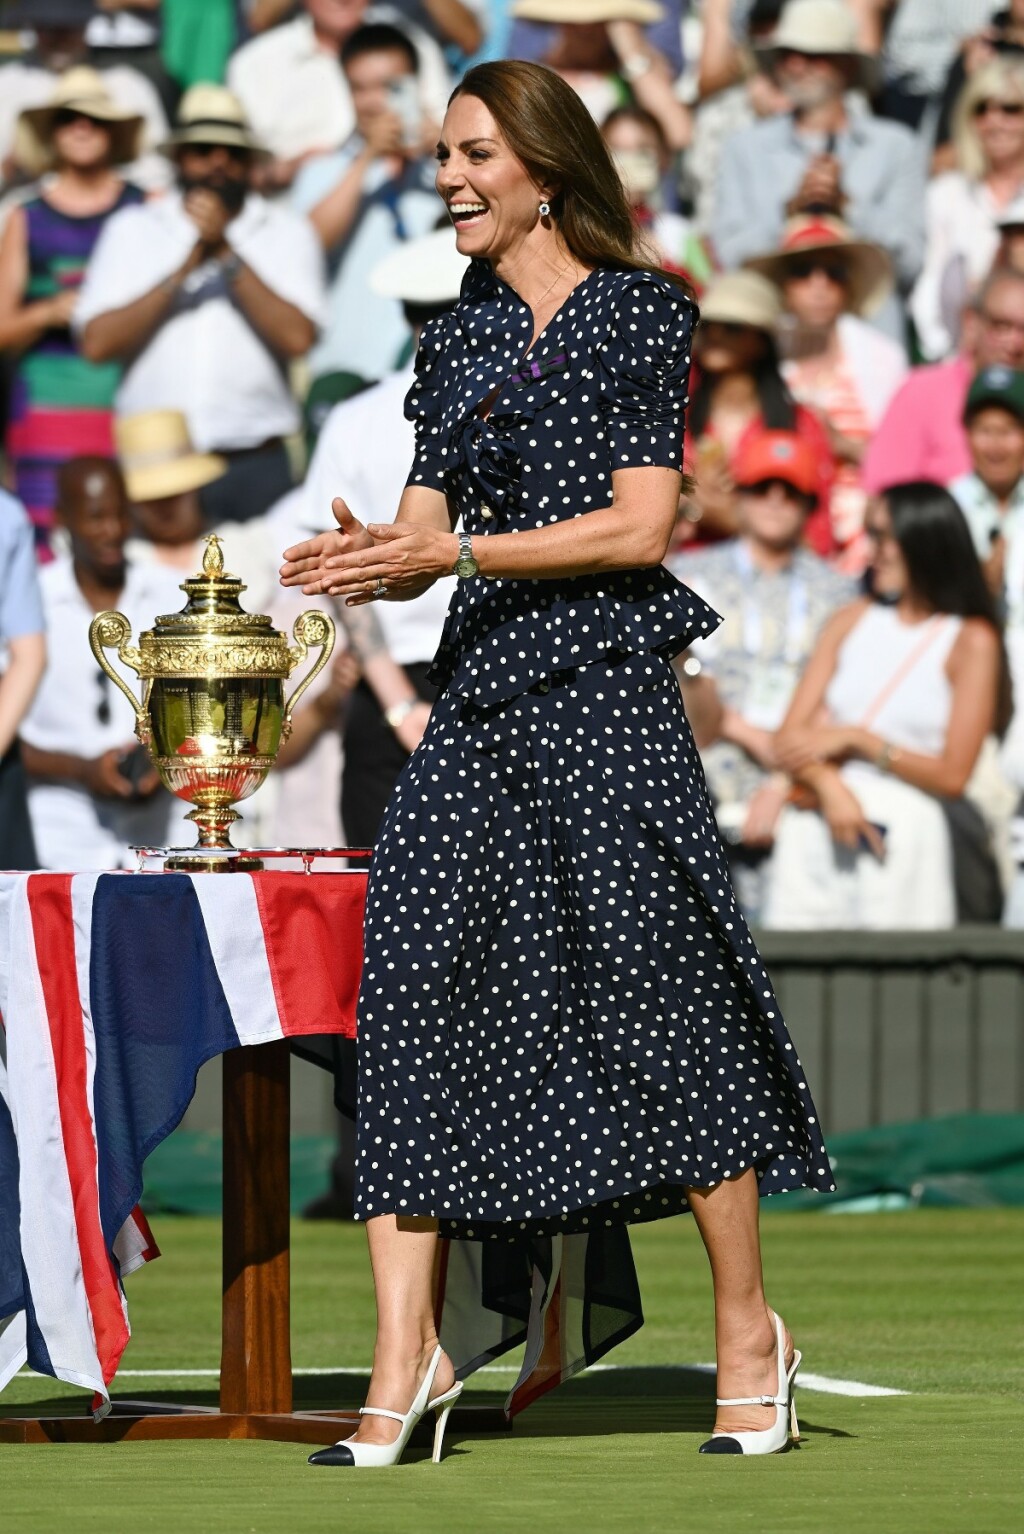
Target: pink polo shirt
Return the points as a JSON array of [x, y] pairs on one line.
[[921, 435]]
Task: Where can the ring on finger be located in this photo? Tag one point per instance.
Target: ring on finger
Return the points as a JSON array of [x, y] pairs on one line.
[[380, 590]]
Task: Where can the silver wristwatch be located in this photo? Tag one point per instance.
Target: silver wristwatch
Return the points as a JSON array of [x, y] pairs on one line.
[[465, 566]]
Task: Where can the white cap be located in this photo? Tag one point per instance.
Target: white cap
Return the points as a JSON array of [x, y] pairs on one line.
[[428, 270]]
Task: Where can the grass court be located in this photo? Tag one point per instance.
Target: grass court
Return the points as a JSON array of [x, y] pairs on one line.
[[925, 1302]]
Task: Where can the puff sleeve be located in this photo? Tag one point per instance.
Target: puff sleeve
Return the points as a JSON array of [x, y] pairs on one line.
[[423, 405], [644, 371]]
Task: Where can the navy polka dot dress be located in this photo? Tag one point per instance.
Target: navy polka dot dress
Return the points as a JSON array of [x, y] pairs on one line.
[[564, 1022]]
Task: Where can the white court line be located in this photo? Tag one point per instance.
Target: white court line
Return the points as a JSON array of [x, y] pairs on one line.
[[822, 1383]]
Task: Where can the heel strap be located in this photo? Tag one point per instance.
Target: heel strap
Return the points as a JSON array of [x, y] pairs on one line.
[[751, 1400], [380, 1411]]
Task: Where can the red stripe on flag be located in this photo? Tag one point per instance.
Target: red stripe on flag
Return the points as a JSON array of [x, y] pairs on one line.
[[150, 1250], [313, 929], [53, 929]]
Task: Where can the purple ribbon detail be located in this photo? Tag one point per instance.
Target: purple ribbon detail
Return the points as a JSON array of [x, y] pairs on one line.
[[534, 371]]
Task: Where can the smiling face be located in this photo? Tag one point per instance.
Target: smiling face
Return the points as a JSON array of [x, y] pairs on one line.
[[809, 80], [773, 513], [489, 194], [996, 440], [94, 510], [815, 291], [80, 141], [999, 124]]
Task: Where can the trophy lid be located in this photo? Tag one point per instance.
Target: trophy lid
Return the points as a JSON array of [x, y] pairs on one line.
[[213, 590], [213, 635]]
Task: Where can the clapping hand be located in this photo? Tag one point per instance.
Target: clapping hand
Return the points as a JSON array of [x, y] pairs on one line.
[[305, 564], [396, 560], [210, 215]]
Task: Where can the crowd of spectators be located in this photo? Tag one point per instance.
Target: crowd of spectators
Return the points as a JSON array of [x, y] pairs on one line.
[[219, 241]]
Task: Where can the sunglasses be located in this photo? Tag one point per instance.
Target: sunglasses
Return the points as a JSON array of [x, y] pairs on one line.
[[802, 267], [66, 116], [233, 151], [1003, 108], [103, 701]]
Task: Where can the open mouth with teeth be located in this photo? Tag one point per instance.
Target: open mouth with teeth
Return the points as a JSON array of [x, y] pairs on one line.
[[465, 214]]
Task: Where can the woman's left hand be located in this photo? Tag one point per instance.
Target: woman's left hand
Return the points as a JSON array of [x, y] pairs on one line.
[[406, 557]]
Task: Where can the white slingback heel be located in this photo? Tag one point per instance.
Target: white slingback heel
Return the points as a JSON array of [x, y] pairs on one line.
[[348, 1452], [771, 1439]]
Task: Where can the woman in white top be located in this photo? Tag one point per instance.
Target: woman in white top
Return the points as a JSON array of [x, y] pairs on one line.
[[888, 719], [963, 206]]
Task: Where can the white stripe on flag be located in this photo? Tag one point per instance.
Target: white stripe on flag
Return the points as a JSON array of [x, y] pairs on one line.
[[49, 1235], [239, 949], [83, 892]]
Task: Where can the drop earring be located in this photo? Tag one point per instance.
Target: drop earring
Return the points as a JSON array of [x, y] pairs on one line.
[[544, 210]]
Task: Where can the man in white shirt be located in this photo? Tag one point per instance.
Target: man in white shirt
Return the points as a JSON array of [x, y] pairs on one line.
[[93, 790], [294, 92], [367, 198], [206, 296]]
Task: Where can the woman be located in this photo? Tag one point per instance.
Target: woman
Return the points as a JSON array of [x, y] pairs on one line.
[[549, 899], [887, 722], [642, 160], [740, 391], [834, 362], [61, 404], [963, 205]]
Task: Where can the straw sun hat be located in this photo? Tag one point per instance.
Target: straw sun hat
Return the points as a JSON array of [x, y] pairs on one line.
[[580, 12], [78, 90], [869, 274], [157, 456], [741, 298], [211, 114]]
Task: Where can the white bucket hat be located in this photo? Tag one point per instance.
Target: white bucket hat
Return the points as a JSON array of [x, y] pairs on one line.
[[425, 271], [823, 27]]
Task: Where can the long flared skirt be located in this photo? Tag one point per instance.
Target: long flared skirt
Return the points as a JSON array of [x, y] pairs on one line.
[[564, 1022]]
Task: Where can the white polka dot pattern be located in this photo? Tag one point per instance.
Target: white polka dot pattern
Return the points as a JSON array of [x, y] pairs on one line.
[[603, 389], [563, 1020]]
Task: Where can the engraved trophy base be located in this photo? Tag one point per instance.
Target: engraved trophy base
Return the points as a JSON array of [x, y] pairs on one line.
[[199, 862], [213, 852]]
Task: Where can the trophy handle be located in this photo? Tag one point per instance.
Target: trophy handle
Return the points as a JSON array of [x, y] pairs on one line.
[[312, 628], [109, 631]]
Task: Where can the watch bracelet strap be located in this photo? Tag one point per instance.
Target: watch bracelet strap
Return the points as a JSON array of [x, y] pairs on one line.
[[399, 712]]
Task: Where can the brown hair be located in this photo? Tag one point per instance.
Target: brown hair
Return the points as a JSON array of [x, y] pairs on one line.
[[550, 131]]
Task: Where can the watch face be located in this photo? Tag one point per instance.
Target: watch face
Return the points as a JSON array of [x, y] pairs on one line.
[[466, 566]]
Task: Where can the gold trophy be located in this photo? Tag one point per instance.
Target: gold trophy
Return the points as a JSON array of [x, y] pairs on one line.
[[212, 713]]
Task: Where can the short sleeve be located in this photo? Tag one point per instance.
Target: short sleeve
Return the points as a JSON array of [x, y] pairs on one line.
[[423, 406], [644, 369], [21, 607]]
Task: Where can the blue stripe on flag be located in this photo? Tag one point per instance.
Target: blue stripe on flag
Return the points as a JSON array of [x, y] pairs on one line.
[[155, 1021], [15, 1293], [12, 1278]]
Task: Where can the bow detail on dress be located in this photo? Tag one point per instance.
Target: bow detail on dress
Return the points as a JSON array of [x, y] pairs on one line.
[[492, 462]]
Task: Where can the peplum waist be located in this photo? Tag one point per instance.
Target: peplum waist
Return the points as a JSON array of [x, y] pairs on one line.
[[502, 637]]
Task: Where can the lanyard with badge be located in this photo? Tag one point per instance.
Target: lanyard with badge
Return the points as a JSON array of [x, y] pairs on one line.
[[770, 678]]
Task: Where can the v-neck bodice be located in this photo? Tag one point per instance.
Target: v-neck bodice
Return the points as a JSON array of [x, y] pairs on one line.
[[603, 388]]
